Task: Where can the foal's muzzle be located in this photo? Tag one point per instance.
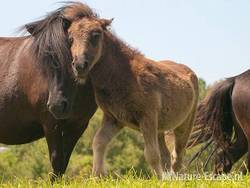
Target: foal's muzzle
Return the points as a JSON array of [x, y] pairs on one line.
[[81, 66]]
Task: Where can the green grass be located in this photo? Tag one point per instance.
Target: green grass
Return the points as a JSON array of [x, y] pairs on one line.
[[129, 181]]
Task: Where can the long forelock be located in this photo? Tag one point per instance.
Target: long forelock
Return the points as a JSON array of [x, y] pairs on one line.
[[50, 41], [77, 10]]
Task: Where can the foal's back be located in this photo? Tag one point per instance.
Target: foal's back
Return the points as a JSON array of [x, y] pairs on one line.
[[177, 88], [179, 69]]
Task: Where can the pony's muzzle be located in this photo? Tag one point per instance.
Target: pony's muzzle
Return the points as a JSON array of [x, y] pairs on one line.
[[59, 110], [81, 67]]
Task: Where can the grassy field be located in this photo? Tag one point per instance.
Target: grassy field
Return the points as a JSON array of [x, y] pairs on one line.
[[233, 180]]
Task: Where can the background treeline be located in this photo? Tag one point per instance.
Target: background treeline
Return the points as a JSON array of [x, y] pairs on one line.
[[125, 152]]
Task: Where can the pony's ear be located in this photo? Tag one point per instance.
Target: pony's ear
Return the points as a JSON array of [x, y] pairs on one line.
[[32, 27], [105, 22], [66, 23]]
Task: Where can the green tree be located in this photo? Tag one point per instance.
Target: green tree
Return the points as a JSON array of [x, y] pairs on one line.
[[202, 89]]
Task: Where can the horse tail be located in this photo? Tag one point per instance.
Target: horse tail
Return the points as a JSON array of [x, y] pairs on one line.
[[214, 117], [199, 135]]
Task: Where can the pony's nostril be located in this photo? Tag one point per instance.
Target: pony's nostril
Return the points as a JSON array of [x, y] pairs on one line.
[[81, 66], [86, 64], [58, 110], [64, 106]]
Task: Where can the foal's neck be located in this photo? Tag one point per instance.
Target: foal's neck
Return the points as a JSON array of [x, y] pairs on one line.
[[117, 61]]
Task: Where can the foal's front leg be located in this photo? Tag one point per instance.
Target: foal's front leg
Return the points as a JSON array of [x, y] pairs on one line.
[[104, 135], [149, 129]]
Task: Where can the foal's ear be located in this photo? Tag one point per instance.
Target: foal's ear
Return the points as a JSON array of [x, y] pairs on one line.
[[105, 22]]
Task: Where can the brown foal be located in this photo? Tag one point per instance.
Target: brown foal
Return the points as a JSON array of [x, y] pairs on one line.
[[134, 91]]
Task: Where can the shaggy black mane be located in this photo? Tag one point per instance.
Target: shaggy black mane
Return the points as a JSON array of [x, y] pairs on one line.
[[49, 35]]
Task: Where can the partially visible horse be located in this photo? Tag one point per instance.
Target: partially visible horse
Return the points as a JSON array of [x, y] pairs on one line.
[[134, 91], [223, 117], [38, 87]]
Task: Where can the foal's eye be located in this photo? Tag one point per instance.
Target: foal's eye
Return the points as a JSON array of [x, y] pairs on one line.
[[95, 36]]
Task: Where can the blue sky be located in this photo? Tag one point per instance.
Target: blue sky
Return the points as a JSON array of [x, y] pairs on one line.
[[210, 36]]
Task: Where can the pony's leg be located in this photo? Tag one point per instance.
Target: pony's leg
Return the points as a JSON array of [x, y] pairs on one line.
[[149, 131], [71, 133], [165, 154], [181, 134], [102, 138], [239, 148], [54, 140], [248, 150], [244, 127], [225, 159], [61, 140]]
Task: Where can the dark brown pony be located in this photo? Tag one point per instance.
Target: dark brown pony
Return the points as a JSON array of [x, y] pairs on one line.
[[134, 91], [224, 115], [37, 87]]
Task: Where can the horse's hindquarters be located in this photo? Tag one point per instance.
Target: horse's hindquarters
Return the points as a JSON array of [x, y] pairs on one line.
[[177, 107], [241, 105]]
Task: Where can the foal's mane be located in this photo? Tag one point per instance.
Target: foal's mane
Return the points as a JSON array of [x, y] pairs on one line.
[[50, 40], [118, 46]]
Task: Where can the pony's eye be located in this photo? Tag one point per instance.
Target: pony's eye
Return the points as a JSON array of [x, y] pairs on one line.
[[95, 36]]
